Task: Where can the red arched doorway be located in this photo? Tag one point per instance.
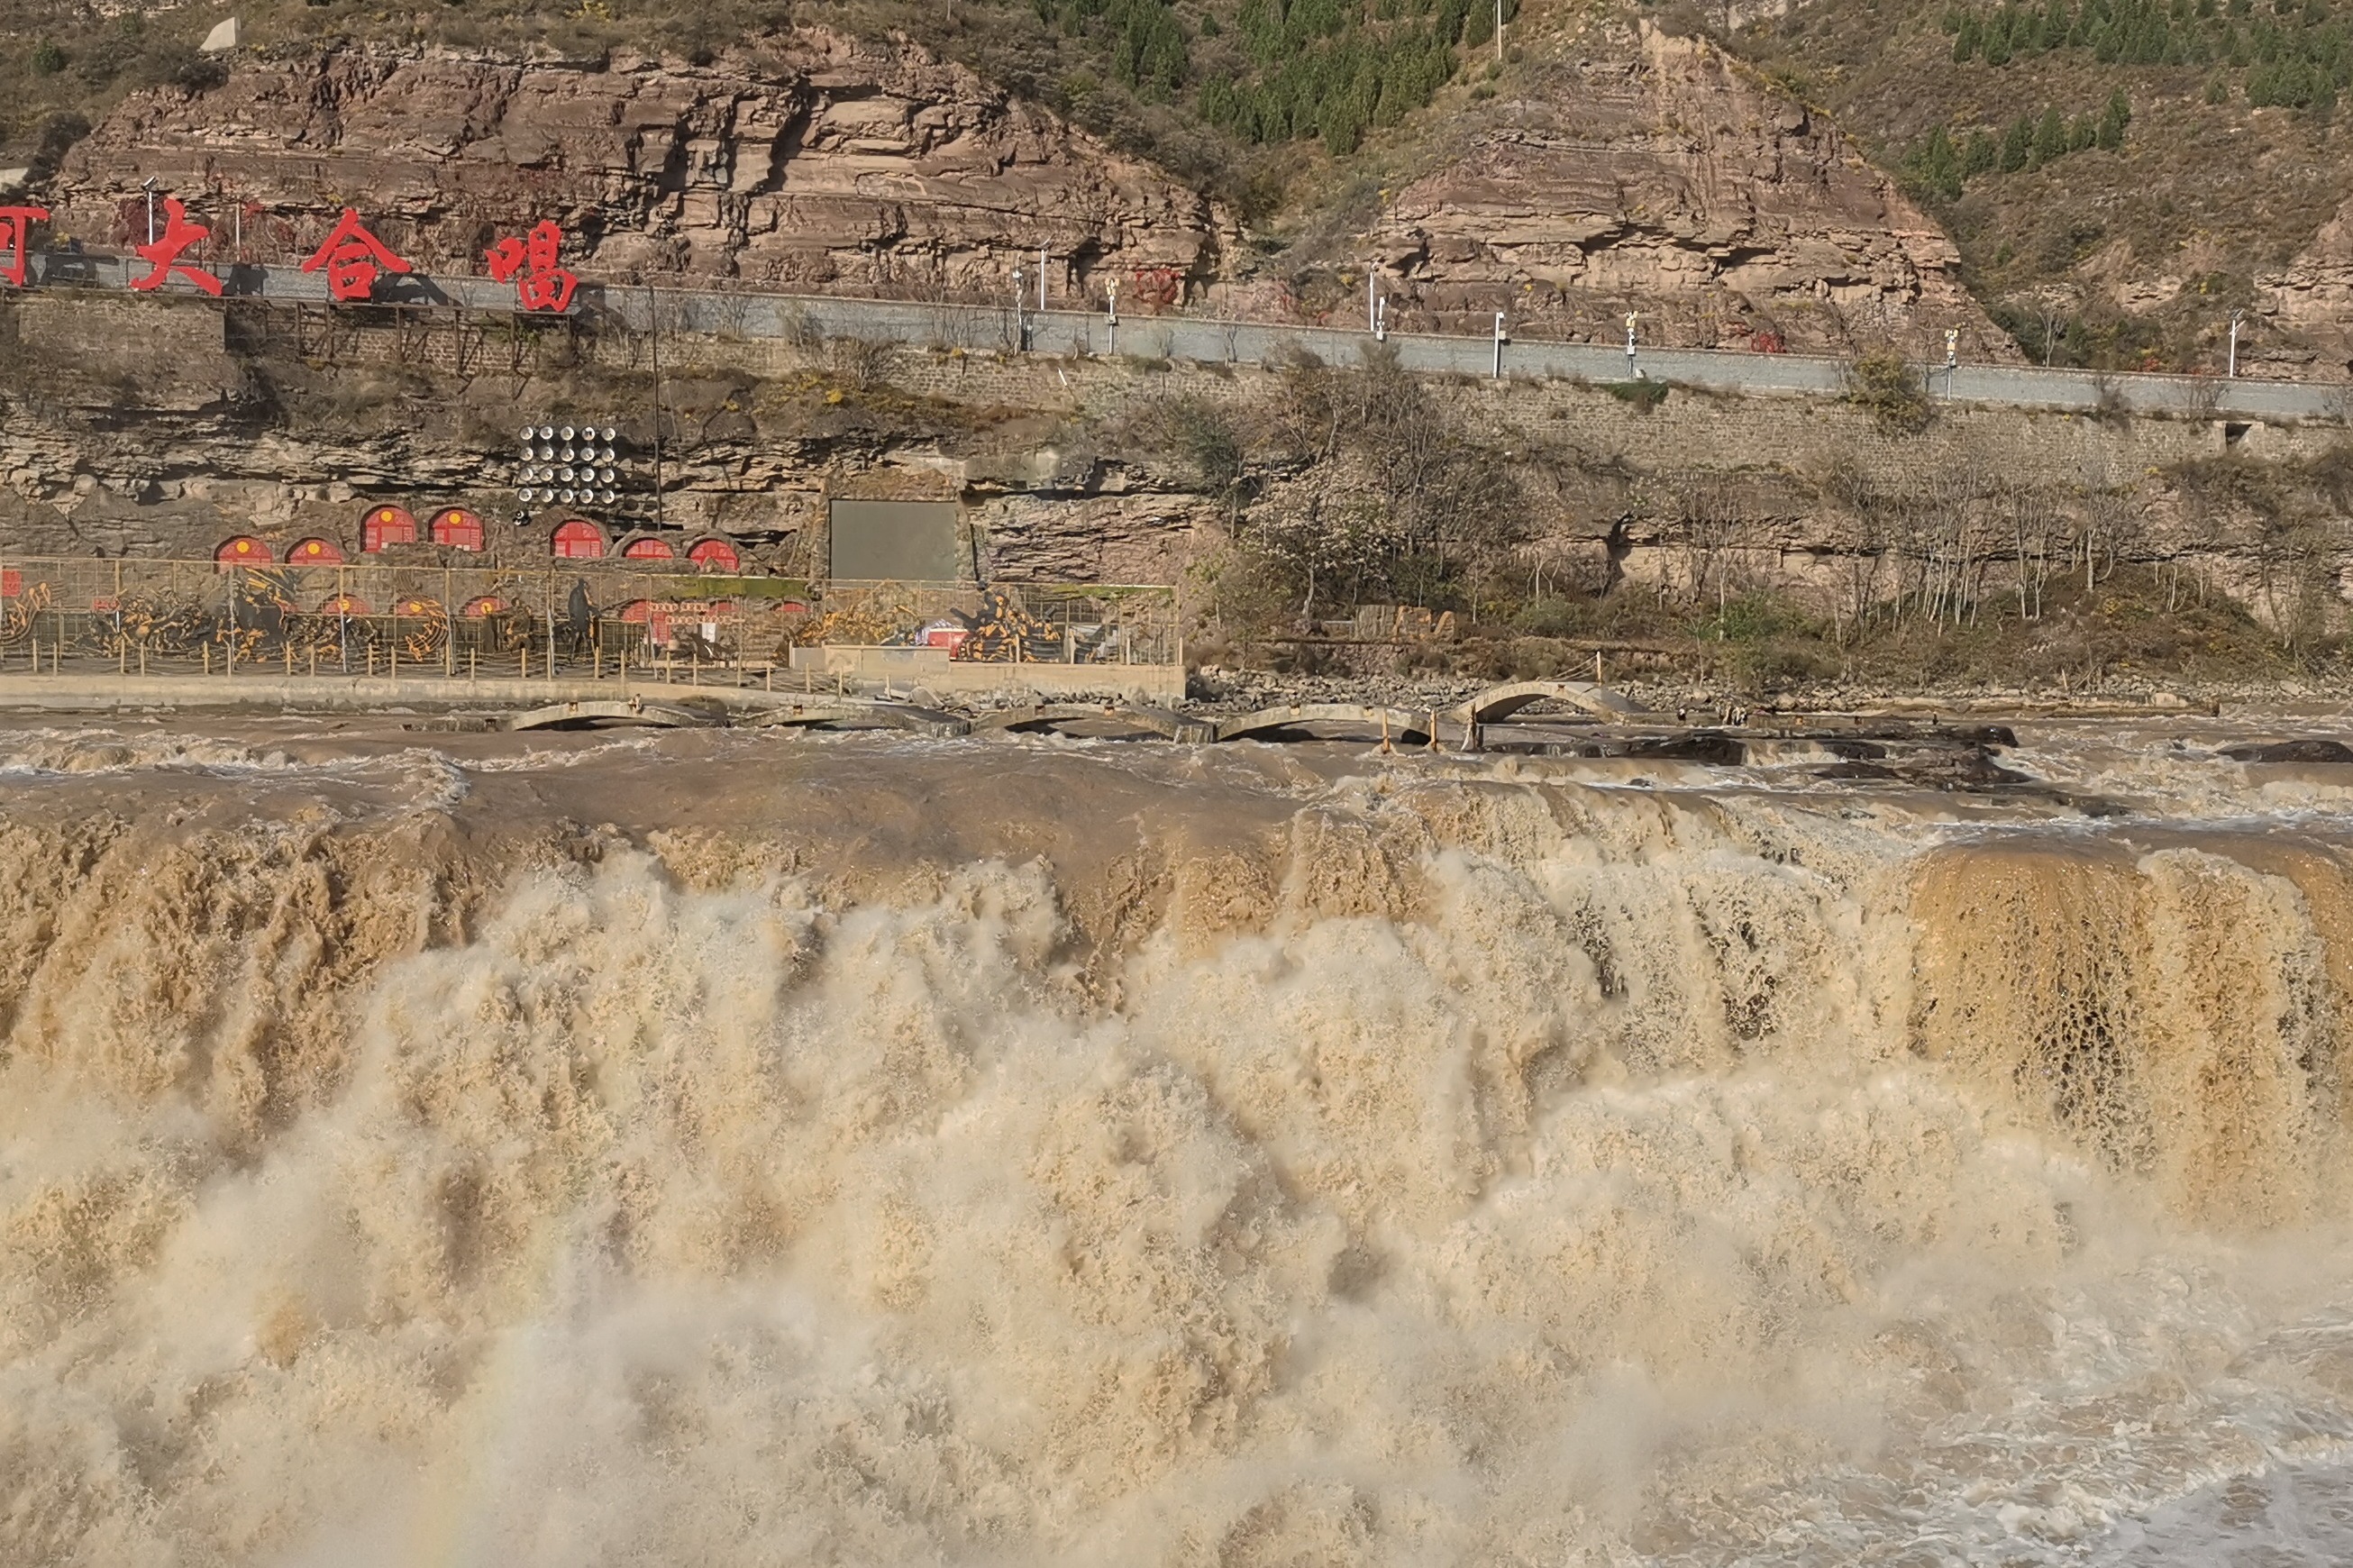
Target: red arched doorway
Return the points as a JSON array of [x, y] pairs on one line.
[[458, 528], [316, 552], [715, 555], [387, 525], [577, 539], [647, 550], [243, 551]]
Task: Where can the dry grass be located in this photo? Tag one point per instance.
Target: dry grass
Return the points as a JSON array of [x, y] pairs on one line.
[[2129, 259]]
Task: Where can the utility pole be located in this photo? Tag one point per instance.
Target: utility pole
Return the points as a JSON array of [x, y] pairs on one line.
[[1041, 279], [1499, 340], [1631, 319], [148, 186], [1499, 32], [2232, 373], [1372, 301], [1111, 318], [653, 323], [1020, 326]]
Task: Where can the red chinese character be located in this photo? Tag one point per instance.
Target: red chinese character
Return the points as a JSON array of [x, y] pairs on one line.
[[15, 234], [352, 257], [163, 256], [540, 283]]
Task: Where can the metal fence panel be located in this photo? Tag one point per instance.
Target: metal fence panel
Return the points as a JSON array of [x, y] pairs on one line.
[[160, 616]]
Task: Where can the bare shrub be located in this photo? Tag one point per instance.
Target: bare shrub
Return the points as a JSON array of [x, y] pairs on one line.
[[858, 363], [1890, 386]]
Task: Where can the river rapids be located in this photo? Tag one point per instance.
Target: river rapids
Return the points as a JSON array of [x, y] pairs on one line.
[[712, 1148]]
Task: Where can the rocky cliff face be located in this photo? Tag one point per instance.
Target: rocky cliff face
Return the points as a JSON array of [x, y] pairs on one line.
[[1626, 171], [826, 166], [139, 426], [1649, 174], [2312, 297]]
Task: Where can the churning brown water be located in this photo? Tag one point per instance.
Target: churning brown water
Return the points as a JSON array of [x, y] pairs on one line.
[[720, 1149]]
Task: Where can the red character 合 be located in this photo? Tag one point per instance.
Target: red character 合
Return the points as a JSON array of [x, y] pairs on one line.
[[353, 260], [539, 282], [164, 255], [15, 241]]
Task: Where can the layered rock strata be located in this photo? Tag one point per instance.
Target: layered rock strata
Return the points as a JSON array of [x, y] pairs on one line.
[[140, 427], [1653, 175], [1631, 172], [826, 165], [2312, 296]]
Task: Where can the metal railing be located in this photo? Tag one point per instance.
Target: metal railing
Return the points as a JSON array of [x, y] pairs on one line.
[[1184, 334], [141, 616], [1007, 624]]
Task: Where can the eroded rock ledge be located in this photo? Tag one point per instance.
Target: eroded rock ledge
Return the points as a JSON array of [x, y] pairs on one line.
[[825, 164]]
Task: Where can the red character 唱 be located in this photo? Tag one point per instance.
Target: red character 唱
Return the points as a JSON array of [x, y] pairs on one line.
[[164, 255], [539, 282], [353, 258], [15, 241]]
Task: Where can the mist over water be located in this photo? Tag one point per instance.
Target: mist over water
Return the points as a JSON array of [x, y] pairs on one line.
[[879, 1151]]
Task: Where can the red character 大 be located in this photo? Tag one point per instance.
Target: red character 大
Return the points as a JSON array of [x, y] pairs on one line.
[[15, 241], [164, 255], [539, 282], [353, 258]]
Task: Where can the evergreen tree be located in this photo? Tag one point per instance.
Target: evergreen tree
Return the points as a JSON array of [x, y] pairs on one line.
[[2049, 138], [2017, 146], [2113, 122], [1936, 167]]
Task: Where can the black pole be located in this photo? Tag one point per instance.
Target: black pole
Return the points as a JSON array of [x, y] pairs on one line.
[[653, 316]]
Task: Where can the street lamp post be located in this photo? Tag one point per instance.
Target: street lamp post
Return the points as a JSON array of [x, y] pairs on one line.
[[1632, 318], [2231, 374], [1499, 340], [148, 186]]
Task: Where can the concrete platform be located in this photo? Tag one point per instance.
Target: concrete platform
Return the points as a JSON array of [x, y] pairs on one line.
[[71, 691]]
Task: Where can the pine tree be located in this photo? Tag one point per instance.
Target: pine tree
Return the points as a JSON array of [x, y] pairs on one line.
[[2113, 122], [1970, 39], [1936, 167], [2049, 138], [2017, 146]]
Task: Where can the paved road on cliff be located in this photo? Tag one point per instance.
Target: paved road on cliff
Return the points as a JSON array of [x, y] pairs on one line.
[[1174, 337]]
